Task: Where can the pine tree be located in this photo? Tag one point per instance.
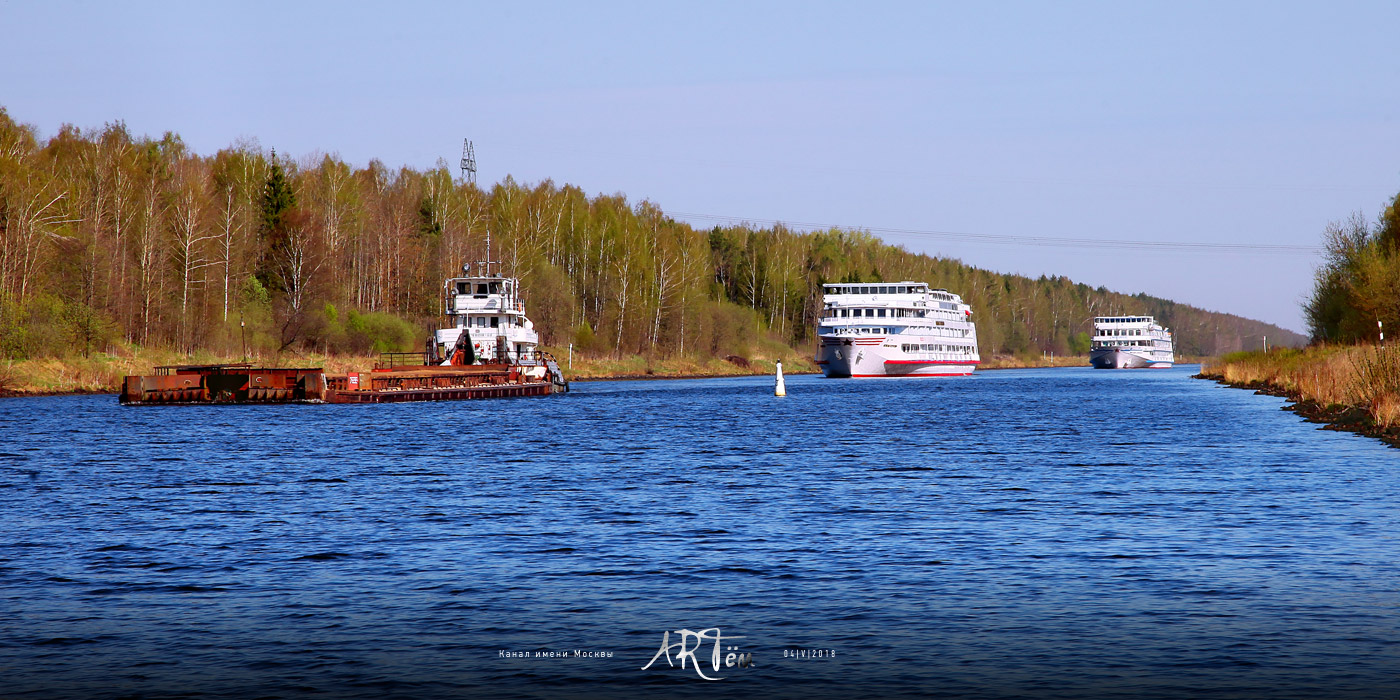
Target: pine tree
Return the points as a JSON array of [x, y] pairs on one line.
[[278, 201]]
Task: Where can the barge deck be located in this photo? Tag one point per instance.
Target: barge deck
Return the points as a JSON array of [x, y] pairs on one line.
[[243, 383]]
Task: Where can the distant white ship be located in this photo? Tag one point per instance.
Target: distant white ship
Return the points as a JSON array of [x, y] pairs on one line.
[[1130, 342], [902, 329]]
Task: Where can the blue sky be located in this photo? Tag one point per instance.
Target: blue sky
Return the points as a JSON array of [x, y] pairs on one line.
[[1187, 122]]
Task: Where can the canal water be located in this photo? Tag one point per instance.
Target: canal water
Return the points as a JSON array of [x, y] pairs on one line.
[[1031, 533]]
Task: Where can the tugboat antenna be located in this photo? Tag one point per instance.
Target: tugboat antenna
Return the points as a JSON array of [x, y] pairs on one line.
[[485, 265]]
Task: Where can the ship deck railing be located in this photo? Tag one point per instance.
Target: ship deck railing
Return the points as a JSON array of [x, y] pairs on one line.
[[166, 370], [388, 360]]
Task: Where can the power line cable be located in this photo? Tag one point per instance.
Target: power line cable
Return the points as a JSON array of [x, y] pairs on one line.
[[1043, 241]]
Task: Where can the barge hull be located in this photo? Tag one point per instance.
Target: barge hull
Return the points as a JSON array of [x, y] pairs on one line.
[[504, 391], [243, 384]]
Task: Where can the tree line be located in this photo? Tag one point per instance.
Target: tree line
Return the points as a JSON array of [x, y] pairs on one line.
[[1358, 284], [108, 238]]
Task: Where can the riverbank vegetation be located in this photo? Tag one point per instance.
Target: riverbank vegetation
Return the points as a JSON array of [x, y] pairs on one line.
[[1346, 377], [1349, 387], [114, 244], [1356, 292], [102, 372]]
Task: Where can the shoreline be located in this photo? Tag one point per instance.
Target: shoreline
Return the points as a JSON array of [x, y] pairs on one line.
[[1339, 417], [113, 390], [11, 394], [103, 373], [85, 381]]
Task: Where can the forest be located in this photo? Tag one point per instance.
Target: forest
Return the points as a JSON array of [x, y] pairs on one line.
[[1356, 292], [111, 240]]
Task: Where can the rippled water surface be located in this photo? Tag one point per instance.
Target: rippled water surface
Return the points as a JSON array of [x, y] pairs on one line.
[[1037, 533]]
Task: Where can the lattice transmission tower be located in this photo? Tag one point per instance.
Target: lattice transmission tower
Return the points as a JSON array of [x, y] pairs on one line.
[[468, 161]]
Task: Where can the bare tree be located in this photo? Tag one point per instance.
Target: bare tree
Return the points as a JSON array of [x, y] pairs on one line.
[[32, 216], [187, 217], [296, 268]]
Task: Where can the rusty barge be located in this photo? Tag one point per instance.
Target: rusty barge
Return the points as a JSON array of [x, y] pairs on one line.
[[243, 383], [489, 350]]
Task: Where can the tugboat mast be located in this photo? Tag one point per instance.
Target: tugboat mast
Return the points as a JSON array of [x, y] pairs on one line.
[[485, 265]]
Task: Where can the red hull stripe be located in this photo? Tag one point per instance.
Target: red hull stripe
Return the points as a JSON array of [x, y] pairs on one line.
[[896, 376], [933, 362]]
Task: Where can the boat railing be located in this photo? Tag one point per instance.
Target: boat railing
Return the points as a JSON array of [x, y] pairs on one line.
[[166, 370], [536, 357], [389, 360]]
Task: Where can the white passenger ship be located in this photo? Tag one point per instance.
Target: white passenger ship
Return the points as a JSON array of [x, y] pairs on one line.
[[902, 329], [488, 325], [1130, 342]]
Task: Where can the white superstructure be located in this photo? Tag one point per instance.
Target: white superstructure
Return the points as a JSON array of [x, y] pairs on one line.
[[486, 314], [1130, 342], [899, 329]]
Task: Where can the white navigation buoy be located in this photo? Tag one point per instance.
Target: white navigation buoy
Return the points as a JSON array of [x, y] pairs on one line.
[[779, 388]]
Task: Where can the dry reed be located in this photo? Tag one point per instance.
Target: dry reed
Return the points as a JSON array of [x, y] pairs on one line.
[[1364, 376]]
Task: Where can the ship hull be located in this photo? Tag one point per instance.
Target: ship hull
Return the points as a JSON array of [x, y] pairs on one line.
[[868, 358], [1120, 359], [241, 384]]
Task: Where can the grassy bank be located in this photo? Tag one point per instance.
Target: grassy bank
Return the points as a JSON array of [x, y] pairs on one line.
[[102, 373], [1032, 361], [1355, 388], [636, 367], [642, 367]]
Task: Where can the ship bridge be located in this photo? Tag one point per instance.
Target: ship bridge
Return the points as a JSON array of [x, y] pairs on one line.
[[489, 308]]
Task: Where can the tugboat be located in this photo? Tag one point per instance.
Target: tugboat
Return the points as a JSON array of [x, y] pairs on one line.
[[488, 325], [490, 350]]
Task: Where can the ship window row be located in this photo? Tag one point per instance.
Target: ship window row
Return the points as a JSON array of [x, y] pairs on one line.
[[480, 290], [915, 330], [942, 330], [879, 289], [492, 322], [1123, 343], [856, 330], [878, 313], [935, 347]]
